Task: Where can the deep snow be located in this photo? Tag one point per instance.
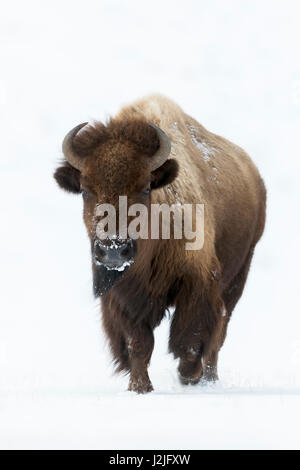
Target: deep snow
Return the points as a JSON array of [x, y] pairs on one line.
[[235, 67]]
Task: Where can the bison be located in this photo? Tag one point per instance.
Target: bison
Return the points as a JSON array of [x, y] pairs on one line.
[[154, 153]]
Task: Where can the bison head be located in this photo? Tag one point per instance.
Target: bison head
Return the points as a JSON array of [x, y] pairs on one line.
[[102, 162]]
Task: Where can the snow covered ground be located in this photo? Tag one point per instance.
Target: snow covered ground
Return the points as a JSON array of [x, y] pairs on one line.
[[235, 67]]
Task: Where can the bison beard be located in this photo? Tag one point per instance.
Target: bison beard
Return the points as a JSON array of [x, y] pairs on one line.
[[104, 279], [129, 155]]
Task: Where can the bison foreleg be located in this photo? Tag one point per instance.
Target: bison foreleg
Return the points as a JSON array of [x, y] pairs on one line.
[[195, 339], [186, 344], [140, 347], [190, 368]]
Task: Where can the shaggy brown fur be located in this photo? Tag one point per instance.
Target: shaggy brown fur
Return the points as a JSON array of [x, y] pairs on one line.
[[203, 286]]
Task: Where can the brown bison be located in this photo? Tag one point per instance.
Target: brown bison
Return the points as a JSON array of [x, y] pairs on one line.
[[139, 279]]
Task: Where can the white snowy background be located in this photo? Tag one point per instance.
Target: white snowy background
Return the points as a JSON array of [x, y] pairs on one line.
[[235, 67]]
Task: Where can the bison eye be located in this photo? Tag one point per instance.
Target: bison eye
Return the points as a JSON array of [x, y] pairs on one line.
[[147, 191], [84, 192]]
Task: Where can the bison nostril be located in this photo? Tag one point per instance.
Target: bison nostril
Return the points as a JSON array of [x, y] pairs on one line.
[[125, 251], [100, 254], [113, 254]]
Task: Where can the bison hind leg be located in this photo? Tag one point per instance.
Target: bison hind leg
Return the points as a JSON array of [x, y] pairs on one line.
[[210, 369]]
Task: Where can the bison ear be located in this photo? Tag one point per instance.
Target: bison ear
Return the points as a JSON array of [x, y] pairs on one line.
[[165, 174], [68, 178]]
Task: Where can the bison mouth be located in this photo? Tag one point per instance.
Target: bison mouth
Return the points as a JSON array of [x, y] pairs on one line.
[[111, 260], [104, 277]]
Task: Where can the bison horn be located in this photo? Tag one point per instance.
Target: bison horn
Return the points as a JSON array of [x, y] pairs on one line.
[[67, 148], [161, 156]]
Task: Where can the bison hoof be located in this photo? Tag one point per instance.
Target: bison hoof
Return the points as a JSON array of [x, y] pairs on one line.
[[188, 380], [140, 386], [190, 372], [210, 374]]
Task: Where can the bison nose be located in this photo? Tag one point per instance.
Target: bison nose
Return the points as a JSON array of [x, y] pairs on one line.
[[114, 254]]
